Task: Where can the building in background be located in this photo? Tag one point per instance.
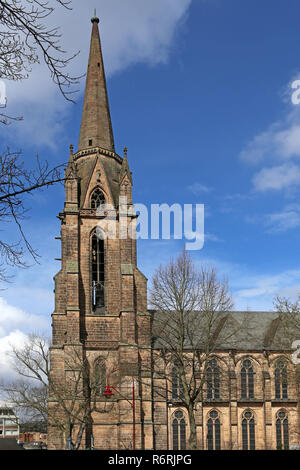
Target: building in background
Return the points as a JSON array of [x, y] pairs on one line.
[[33, 435], [9, 422]]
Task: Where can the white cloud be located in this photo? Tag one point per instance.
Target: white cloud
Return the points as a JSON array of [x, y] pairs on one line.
[[13, 318], [281, 141], [277, 177], [211, 237], [16, 339], [280, 221], [198, 188], [261, 289], [15, 323], [252, 289], [288, 218], [279, 147], [132, 32]]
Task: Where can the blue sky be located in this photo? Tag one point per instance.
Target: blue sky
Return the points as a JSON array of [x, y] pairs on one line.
[[200, 93]]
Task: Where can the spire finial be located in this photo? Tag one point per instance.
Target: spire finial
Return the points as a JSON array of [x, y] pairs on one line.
[[125, 152], [95, 18]]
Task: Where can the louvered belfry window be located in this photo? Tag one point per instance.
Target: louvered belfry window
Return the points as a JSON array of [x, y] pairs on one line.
[[98, 274]]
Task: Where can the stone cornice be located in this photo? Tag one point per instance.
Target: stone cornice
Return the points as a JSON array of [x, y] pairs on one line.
[[95, 151]]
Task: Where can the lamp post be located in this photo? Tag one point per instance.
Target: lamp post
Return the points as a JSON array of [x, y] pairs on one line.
[[108, 393]]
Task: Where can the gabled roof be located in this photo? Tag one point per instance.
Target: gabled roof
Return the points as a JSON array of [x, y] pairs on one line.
[[237, 330]]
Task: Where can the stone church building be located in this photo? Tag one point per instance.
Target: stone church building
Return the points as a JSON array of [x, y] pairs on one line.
[[102, 328]]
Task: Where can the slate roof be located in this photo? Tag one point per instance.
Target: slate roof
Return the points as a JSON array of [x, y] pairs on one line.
[[238, 330]]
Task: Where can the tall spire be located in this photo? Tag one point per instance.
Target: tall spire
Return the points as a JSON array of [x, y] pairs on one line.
[[96, 128]]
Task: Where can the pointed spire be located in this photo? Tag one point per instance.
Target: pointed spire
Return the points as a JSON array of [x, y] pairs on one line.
[[125, 168], [96, 128]]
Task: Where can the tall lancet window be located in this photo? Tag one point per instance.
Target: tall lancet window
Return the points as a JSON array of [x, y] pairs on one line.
[[281, 386], [179, 431], [248, 430], [97, 199], [282, 430], [247, 379], [213, 431], [98, 275], [213, 380], [100, 377], [177, 385]]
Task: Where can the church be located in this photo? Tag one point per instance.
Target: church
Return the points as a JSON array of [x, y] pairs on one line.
[[102, 341]]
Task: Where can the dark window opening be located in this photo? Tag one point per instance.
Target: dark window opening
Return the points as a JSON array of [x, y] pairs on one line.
[[247, 379], [97, 199], [282, 431], [248, 431], [177, 385], [100, 377], [213, 380], [90, 142], [179, 431], [281, 386], [213, 431], [98, 301]]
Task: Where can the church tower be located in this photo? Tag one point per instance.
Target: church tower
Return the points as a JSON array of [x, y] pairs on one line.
[[101, 345]]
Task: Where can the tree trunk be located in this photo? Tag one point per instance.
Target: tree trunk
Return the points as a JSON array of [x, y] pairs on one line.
[[68, 435], [193, 429], [79, 436]]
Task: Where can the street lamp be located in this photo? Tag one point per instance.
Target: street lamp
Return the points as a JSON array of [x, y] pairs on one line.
[[108, 392]]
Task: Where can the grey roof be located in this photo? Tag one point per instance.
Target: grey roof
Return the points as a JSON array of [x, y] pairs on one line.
[[231, 330]]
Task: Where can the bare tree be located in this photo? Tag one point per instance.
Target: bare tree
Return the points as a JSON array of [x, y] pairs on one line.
[[26, 39], [289, 313], [66, 405], [16, 181], [190, 306]]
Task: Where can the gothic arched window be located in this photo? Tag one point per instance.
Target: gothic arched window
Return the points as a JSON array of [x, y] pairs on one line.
[[179, 431], [282, 430], [247, 379], [248, 430], [98, 278], [97, 199], [281, 385], [177, 386], [100, 377], [213, 431], [213, 380]]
